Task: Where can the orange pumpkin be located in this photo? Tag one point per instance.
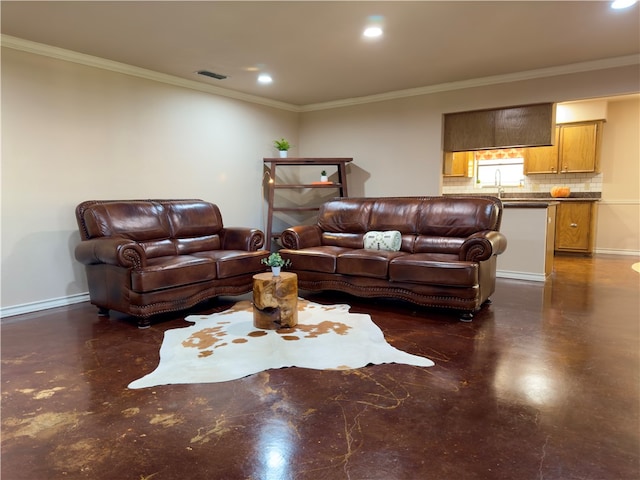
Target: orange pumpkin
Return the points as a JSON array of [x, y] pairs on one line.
[[560, 192]]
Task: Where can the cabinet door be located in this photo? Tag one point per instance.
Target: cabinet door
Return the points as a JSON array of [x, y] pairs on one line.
[[579, 147], [458, 164], [574, 227], [542, 159]]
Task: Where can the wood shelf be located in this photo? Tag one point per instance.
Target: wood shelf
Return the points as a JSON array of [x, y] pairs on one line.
[[272, 164], [308, 185], [307, 160], [295, 209]]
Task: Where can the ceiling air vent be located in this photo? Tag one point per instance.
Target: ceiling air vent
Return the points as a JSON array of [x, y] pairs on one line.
[[207, 73]]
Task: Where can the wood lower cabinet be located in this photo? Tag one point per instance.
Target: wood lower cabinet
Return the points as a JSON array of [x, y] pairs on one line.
[[458, 164], [575, 227]]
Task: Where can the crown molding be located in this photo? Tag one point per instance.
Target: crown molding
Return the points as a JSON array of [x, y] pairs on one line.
[[89, 60], [97, 62], [603, 64]]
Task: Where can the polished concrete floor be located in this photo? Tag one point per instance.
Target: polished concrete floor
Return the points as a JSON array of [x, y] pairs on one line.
[[543, 384]]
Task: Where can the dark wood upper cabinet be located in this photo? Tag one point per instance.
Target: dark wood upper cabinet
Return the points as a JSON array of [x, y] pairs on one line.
[[520, 126]]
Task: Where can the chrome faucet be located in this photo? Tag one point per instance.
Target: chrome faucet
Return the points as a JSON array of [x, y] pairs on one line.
[[498, 182]]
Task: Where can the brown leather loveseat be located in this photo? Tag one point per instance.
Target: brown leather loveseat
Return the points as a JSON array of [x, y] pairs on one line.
[[145, 257], [446, 249]]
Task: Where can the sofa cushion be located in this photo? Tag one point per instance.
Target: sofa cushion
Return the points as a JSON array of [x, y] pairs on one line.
[[190, 218], [378, 240], [197, 244], [366, 263], [158, 248], [314, 259], [172, 271], [344, 240], [137, 220], [395, 214], [433, 269], [195, 225], [433, 244], [445, 217], [345, 215], [230, 263]]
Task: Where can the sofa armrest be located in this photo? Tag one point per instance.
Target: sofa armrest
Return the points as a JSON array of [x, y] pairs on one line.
[[482, 245], [241, 238], [301, 236], [118, 251]]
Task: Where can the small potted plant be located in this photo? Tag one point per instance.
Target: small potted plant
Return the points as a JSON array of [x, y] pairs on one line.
[[276, 262], [323, 176], [282, 146]]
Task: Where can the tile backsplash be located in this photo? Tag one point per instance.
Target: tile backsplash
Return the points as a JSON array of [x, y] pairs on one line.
[[577, 182]]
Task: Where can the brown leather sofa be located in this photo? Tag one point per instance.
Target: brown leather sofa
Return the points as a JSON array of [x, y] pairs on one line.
[[145, 257], [446, 258]]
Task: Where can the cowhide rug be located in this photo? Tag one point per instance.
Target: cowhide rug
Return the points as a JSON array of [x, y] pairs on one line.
[[226, 346]]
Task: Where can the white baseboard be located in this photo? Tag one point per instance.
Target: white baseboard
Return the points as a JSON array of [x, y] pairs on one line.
[[613, 251], [43, 305], [532, 277]]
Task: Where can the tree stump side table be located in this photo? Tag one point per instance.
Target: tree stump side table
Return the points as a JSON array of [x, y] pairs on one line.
[[275, 300]]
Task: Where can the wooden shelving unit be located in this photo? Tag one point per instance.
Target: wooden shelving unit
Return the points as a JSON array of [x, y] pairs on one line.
[[273, 163]]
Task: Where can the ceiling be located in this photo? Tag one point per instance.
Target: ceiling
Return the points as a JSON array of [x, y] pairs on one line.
[[314, 50]]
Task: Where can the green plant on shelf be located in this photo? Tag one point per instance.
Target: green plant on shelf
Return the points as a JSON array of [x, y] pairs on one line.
[[282, 145]]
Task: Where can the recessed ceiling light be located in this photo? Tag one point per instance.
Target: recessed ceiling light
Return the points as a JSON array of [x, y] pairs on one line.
[[374, 25], [620, 4], [264, 78], [372, 32]]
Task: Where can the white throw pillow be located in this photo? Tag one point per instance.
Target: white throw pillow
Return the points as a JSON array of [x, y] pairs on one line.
[[390, 240]]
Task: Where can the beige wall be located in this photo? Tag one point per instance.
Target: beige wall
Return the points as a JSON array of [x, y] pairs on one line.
[[72, 132], [618, 227], [395, 144]]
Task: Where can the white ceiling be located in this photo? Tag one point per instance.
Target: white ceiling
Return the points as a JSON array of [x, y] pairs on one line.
[[314, 50]]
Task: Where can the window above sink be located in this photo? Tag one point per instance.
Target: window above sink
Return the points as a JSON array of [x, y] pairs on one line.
[[504, 172]]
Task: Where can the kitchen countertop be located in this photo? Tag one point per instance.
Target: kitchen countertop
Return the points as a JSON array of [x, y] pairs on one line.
[[506, 203], [541, 200]]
